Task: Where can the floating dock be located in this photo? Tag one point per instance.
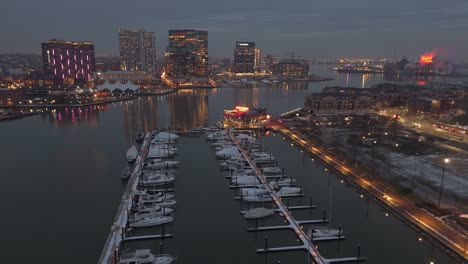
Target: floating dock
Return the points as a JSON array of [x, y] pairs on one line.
[[307, 244]]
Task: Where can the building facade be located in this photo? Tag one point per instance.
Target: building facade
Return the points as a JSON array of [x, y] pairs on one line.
[[290, 68], [68, 60], [246, 58], [137, 50], [187, 54]]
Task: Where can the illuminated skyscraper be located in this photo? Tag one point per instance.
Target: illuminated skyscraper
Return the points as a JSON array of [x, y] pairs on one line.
[[68, 59], [187, 54], [246, 58], [137, 50]]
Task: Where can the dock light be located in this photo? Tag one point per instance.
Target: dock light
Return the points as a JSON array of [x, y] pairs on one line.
[[341, 181], [396, 145], [446, 160], [420, 239], [362, 196], [386, 133], [292, 144]]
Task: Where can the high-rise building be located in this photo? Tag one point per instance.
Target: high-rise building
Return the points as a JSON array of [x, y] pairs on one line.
[[246, 57], [68, 59], [187, 54], [137, 50]]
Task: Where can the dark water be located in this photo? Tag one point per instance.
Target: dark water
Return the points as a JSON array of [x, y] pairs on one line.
[[60, 184]]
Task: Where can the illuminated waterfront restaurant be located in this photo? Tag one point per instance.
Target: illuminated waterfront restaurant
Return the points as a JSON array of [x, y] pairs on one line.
[[243, 116], [69, 60]]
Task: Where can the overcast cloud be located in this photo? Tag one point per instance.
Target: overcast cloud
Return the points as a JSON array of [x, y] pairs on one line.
[[314, 29]]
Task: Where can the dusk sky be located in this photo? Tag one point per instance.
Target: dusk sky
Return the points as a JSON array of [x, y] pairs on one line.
[[313, 29]]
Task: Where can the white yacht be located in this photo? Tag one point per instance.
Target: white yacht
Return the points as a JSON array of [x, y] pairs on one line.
[[157, 179], [244, 180], [323, 232], [144, 256], [132, 153], [158, 211], [260, 198], [166, 137], [253, 191], [126, 173], [271, 170], [285, 191], [151, 221], [259, 212], [159, 163], [153, 205]]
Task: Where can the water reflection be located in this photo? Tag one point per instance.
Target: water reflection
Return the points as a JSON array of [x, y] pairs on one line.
[[188, 108]]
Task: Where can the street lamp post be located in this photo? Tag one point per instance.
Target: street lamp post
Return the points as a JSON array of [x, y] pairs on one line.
[[446, 160]]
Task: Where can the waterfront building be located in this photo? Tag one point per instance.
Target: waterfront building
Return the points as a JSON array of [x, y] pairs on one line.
[[246, 58], [335, 100], [187, 55], [244, 116], [290, 68], [68, 60], [137, 50]]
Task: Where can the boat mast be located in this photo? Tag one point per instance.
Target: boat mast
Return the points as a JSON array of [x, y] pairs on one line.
[[329, 201]]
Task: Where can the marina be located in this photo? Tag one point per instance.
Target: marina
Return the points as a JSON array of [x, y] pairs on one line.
[[142, 206], [99, 141]]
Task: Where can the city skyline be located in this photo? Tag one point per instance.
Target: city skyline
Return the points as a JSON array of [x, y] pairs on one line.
[[314, 30]]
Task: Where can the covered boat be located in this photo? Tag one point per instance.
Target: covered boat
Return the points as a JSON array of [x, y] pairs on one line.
[[132, 153], [259, 212]]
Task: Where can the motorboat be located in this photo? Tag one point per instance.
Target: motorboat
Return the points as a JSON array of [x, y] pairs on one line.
[[253, 191], [228, 152], [244, 180], [144, 256], [139, 136], [323, 232], [271, 170], [284, 182], [259, 212], [126, 173], [159, 163], [286, 191], [132, 153], [260, 198], [166, 137], [161, 202], [158, 211], [151, 221], [157, 179], [156, 152]]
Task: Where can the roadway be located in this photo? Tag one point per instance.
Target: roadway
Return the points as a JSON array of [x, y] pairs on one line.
[[398, 204]]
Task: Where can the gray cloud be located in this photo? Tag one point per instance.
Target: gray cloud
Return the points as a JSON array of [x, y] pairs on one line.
[[310, 28]]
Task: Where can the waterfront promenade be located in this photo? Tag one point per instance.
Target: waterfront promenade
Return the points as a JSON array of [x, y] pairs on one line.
[[397, 204]]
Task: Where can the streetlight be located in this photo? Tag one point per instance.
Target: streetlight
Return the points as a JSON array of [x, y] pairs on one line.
[[446, 160]]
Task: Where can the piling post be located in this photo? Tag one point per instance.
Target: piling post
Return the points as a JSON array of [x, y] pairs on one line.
[[324, 213], [339, 232], [266, 243], [311, 202], [358, 252]]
